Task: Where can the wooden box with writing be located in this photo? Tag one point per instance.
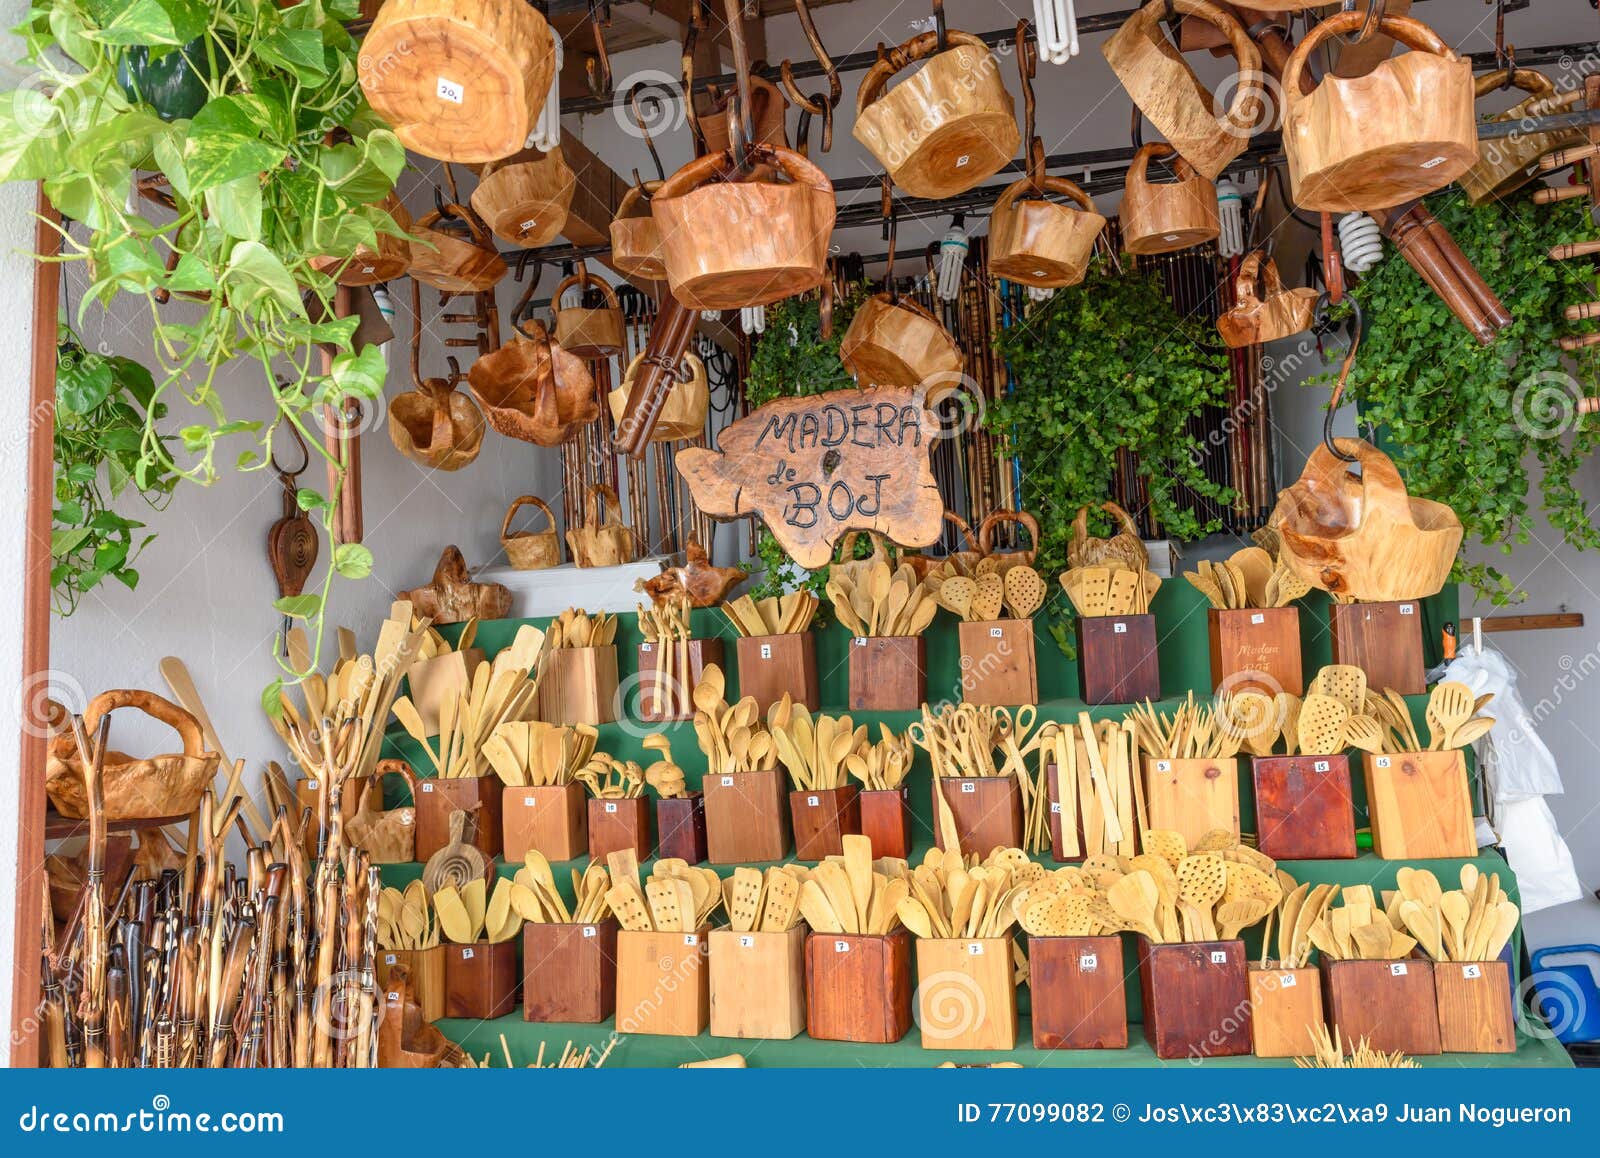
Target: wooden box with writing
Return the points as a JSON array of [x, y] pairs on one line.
[[858, 986], [1382, 639], [1075, 986], [771, 666], [758, 983], [1117, 659], [998, 662], [569, 971], [1303, 807], [822, 819], [1390, 1003], [1256, 649], [1196, 998], [888, 673], [549, 818]]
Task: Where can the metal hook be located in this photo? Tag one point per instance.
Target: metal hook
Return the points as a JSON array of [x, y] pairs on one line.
[[890, 234], [305, 455], [1137, 131], [1376, 15], [649, 142], [942, 34], [1358, 327]]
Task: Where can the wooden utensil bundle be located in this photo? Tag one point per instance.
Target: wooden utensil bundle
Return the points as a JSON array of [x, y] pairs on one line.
[[1253, 720], [1109, 590], [665, 626], [769, 902], [1332, 1055], [1386, 725], [1248, 578], [608, 778], [570, 1059], [1360, 929], [1472, 923], [814, 751], [1066, 903], [664, 776], [575, 627], [1300, 907], [533, 754], [468, 721], [676, 898], [1098, 787], [775, 615], [882, 766], [991, 594], [732, 738], [949, 897], [406, 919], [1193, 732], [853, 894], [534, 896], [466, 917], [878, 602]]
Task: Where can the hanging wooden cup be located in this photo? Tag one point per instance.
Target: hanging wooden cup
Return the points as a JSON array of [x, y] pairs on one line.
[[1370, 142], [436, 426], [530, 550], [684, 415], [730, 244], [449, 262], [1254, 319], [597, 543], [459, 80], [1506, 164], [768, 109], [590, 332], [894, 341], [1364, 535], [368, 265], [524, 198], [1164, 218], [945, 128], [635, 236], [1042, 243], [533, 390]]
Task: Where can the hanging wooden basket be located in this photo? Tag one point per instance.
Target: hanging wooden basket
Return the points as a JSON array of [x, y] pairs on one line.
[[453, 597], [1164, 218], [1042, 243], [600, 543], [533, 390], [948, 126], [434, 425], [684, 415], [386, 836], [730, 244], [894, 341], [531, 550], [1003, 561], [1123, 549], [135, 789], [1165, 88], [768, 108], [635, 236], [1263, 310], [524, 198], [591, 332], [1393, 135], [1506, 164], [449, 262], [459, 80], [369, 265], [1363, 535]]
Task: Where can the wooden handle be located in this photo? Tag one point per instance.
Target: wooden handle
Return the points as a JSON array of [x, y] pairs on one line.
[[1574, 249], [635, 194], [1409, 31], [1549, 196], [152, 705], [704, 169], [1527, 79], [1561, 158], [387, 768], [893, 60], [1580, 342], [1046, 184], [669, 341], [1584, 312], [963, 527], [1138, 168], [525, 501], [1244, 49], [1023, 519], [582, 278]]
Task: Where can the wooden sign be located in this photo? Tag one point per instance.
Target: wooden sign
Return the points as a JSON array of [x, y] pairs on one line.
[[814, 468]]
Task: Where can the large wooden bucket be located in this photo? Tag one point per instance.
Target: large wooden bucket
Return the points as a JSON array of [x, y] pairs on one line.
[[524, 199], [1263, 310], [449, 262], [1165, 88], [1164, 218], [1042, 243], [895, 342], [730, 244], [1506, 164], [945, 128], [1375, 141], [459, 80], [635, 236]]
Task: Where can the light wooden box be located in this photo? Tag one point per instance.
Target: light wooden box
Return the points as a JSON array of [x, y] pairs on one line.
[[965, 995], [579, 685], [663, 983], [758, 983], [550, 818], [998, 663], [1474, 1000], [1285, 1011], [1193, 797], [1419, 805]]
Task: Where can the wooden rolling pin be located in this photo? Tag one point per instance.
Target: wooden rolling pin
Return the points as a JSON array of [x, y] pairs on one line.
[[1433, 253]]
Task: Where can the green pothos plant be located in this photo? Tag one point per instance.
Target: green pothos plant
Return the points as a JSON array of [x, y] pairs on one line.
[[1465, 422], [218, 152]]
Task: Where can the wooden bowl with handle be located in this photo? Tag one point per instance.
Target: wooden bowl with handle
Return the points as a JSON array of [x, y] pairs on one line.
[[1041, 243], [452, 263], [894, 341], [135, 788], [635, 237], [524, 198], [1264, 310], [590, 332], [1164, 218]]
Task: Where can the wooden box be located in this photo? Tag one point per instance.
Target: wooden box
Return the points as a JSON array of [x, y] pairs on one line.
[[758, 983], [1390, 1003], [569, 971], [1303, 807], [1117, 660], [479, 796], [987, 810], [480, 981], [1196, 999], [1419, 805], [579, 685], [998, 663], [822, 819], [747, 817], [550, 818], [1474, 1002], [681, 827], [1256, 648], [772, 665], [888, 673], [663, 985], [1382, 639], [1193, 797], [675, 701], [965, 996], [886, 821], [426, 967], [1076, 989], [1285, 1011], [618, 824], [858, 986], [431, 680]]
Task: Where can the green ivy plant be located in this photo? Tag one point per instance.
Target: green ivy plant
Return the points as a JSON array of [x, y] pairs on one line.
[[1464, 421], [270, 162], [1103, 368]]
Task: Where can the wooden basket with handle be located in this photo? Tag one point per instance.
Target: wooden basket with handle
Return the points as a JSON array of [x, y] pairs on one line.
[[436, 426], [1166, 217], [684, 415], [1003, 561], [1041, 243], [452, 263], [135, 789], [453, 597], [635, 236], [531, 550], [1508, 163], [459, 80], [894, 341], [533, 390], [1165, 88], [1124, 549], [1393, 135], [369, 265], [600, 543], [387, 837], [524, 198], [945, 128], [1363, 535], [1256, 319], [768, 109], [961, 562], [588, 331], [730, 244]]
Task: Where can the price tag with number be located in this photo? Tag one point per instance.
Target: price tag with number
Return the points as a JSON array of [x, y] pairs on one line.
[[1088, 962], [841, 946], [611, 806], [1287, 980], [968, 787], [1471, 972], [974, 948], [451, 91], [588, 930], [746, 941], [766, 651], [1219, 957], [1119, 628], [1397, 969]]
